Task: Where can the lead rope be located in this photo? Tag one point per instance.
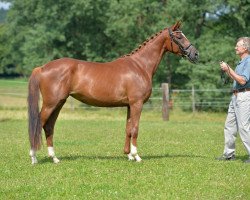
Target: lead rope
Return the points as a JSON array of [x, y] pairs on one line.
[[223, 76]]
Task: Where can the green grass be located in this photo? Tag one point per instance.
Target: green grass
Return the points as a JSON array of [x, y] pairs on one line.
[[178, 158]]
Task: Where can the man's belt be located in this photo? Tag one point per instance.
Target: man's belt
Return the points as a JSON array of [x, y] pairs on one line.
[[235, 92]]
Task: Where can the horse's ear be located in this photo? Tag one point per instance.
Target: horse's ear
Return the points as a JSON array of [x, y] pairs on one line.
[[176, 26]]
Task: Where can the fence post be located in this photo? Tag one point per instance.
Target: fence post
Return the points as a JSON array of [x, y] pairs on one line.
[[193, 99], [165, 101]]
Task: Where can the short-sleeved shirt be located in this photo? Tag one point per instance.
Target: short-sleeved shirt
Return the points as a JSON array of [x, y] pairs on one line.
[[243, 69]]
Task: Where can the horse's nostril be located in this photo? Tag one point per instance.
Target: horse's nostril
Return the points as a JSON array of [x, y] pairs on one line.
[[196, 54]]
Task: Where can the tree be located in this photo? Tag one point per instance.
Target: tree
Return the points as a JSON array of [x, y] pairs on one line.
[[104, 30], [3, 14], [47, 30]]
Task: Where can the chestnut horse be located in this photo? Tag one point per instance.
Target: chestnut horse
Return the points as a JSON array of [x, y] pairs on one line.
[[126, 81]]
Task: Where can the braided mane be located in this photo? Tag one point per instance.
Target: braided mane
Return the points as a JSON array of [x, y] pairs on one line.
[[144, 43]]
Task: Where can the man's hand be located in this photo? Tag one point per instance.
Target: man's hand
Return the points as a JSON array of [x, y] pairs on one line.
[[224, 66]]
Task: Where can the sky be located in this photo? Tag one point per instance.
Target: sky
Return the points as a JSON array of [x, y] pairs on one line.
[[4, 5]]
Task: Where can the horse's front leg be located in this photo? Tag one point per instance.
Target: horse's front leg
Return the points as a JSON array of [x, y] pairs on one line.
[[133, 128]]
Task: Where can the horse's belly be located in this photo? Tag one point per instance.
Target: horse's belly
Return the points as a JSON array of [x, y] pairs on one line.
[[103, 101]]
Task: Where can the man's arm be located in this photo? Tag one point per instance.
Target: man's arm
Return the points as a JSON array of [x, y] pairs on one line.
[[231, 73]]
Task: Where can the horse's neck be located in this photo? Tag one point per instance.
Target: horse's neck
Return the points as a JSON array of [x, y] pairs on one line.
[[150, 55]]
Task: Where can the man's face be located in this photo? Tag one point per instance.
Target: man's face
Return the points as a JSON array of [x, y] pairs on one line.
[[239, 48]]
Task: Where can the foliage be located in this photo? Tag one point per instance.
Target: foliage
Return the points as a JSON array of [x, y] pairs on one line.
[[3, 14], [93, 165], [39, 31]]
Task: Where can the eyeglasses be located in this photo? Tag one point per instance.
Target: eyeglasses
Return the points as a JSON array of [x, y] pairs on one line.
[[237, 46]]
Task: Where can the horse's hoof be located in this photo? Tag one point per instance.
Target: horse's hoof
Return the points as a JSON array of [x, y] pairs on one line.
[[130, 157], [137, 158], [34, 160], [56, 160]]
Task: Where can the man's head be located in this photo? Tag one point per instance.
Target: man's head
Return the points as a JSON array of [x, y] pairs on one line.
[[243, 46]]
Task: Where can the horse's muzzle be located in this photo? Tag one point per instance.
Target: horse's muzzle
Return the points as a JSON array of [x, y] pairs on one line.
[[192, 54]]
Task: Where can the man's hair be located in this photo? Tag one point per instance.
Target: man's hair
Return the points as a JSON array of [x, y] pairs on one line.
[[246, 42]]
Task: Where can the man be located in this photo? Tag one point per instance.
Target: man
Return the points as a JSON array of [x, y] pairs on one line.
[[238, 117]]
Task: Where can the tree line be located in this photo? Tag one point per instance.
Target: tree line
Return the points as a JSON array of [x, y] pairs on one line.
[[35, 32]]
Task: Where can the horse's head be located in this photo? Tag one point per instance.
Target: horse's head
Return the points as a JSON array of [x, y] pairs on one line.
[[179, 44]]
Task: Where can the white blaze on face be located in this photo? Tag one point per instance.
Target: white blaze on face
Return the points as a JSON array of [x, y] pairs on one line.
[[184, 35]]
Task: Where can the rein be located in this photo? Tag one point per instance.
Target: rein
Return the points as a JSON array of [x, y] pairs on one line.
[[224, 77], [183, 50]]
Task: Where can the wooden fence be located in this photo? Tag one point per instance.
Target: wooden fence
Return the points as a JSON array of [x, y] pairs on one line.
[[13, 96]]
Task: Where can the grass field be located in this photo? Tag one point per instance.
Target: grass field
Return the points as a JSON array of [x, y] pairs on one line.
[[178, 156], [178, 159]]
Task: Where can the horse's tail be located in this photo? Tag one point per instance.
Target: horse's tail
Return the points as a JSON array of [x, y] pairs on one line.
[[35, 126]]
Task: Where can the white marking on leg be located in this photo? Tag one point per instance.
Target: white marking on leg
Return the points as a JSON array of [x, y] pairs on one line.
[[134, 154], [138, 158], [33, 157], [133, 150], [56, 160], [130, 157], [51, 153]]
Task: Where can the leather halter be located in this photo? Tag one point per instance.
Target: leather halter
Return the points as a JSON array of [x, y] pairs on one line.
[[184, 50]]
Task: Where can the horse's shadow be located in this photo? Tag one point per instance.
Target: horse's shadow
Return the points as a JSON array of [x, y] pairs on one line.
[[124, 157]]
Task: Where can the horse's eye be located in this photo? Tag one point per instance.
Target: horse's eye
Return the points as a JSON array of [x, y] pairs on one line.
[[178, 36]]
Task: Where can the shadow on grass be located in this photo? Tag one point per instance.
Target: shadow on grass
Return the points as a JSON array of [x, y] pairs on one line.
[[237, 158], [172, 156], [5, 119], [242, 158], [82, 157], [124, 157]]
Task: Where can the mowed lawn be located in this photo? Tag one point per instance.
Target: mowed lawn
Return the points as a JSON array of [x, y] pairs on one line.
[[178, 158]]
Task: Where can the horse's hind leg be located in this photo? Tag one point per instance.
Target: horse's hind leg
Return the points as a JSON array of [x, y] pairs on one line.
[[45, 114], [49, 131], [33, 156]]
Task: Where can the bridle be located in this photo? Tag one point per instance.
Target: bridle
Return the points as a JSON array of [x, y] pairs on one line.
[[184, 51]]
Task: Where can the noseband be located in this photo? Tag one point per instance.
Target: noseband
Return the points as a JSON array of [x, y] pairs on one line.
[[184, 51]]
